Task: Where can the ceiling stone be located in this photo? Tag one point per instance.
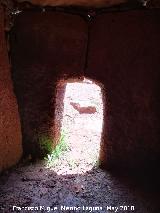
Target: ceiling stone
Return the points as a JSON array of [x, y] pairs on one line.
[[82, 3]]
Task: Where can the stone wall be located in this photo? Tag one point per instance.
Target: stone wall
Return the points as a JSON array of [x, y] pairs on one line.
[[123, 55], [10, 131], [45, 47], [83, 3], [93, 3]]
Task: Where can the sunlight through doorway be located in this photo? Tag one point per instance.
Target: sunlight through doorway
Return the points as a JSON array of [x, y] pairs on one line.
[[81, 126]]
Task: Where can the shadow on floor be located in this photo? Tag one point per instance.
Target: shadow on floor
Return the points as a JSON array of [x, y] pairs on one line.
[[34, 185]]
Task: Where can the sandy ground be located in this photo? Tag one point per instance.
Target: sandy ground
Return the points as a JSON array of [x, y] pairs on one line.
[[41, 188], [82, 131]]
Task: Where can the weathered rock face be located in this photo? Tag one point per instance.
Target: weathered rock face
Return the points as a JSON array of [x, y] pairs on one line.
[[45, 47], [84, 3], [10, 131], [123, 55], [93, 3]]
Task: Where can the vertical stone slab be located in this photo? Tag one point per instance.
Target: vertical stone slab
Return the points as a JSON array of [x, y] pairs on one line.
[[10, 130], [124, 54], [46, 47]]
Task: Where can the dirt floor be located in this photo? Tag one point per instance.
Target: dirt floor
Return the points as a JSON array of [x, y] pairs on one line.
[[43, 189], [73, 182]]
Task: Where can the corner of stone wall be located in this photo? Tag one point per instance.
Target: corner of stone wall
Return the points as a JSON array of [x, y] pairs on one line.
[[10, 129]]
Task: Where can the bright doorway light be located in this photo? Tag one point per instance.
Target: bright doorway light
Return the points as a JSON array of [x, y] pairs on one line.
[[81, 126]]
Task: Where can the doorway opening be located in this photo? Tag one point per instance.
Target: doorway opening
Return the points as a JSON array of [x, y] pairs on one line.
[[79, 118]]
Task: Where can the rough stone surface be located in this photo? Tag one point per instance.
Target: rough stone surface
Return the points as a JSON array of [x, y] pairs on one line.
[[10, 131], [45, 47], [93, 3], [124, 55], [84, 3]]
